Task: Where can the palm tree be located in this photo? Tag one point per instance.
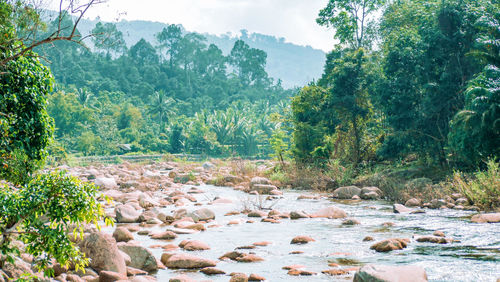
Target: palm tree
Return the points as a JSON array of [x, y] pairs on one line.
[[162, 107], [84, 96]]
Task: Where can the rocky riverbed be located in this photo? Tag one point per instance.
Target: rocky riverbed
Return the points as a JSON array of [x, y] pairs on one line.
[[172, 226]]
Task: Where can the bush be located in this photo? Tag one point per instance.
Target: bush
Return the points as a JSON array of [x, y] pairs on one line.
[[483, 189], [40, 212]]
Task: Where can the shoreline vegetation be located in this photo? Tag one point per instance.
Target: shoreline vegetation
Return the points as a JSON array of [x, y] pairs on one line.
[[408, 182]]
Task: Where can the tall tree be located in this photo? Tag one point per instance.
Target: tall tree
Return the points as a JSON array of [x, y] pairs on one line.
[[353, 20]]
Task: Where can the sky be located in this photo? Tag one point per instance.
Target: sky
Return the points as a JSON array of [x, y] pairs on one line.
[[294, 20]]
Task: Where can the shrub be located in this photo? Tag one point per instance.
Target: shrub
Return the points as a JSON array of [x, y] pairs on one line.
[[40, 212], [483, 189]]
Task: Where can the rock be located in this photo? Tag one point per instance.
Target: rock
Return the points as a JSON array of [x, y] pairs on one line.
[[413, 202], [368, 239], [257, 213], [203, 214], [126, 258], [186, 261], [302, 240], [351, 221], [142, 278], [196, 226], [166, 235], [461, 201], [259, 180], [334, 272], [134, 271], [238, 277], [17, 270], [110, 276], [263, 189], [122, 234], [106, 183], [142, 258], [390, 245], [145, 201], [434, 239], [126, 214], [232, 179], [437, 203], [182, 230], [262, 244], [439, 233], [195, 245], [103, 252], [370, 193], [298, 215], [308, 197], [300, 272], [212, 271], [386, 273], [330, 212], [398, 208], [181, 278], [346, 192], [486, 218], [208, 166], [249, 258], [255, 277]]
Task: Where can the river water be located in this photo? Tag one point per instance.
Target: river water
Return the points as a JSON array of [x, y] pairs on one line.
[[475, 258]]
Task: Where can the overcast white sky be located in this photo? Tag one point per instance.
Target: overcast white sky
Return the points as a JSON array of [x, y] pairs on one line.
[[295, 20]]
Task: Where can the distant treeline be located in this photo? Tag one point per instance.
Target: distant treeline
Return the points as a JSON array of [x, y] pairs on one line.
[[178, 96]]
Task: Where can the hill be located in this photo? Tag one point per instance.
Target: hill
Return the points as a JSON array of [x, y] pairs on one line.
[[295, 65]]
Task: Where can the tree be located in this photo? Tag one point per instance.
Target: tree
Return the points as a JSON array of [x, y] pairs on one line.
[[475, 131], [143, 53], [108, 38], [21, 26], [249, 62], [353, 20], [169, 39], [162, 107]]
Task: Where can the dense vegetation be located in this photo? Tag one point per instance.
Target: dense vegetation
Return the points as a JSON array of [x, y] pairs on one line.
[[178, 96], [423, 82], [36, 209]]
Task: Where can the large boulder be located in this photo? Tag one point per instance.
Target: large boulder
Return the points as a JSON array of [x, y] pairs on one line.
[[413, 202], [370, 193], [122, 234], [386, 273], [486, 218], [110, 276], [103, 252], [126, 214], [142, 258], [106, 183], [398, 208], [346, 192], [330, 212], [203, 214], [186, 261], [17, 270]]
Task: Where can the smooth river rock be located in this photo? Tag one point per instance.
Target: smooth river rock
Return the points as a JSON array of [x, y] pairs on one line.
[[186, 261], [330, 212], [103, 252], [390, 245], [346, 192], [387, 273], [486, 218], [126, 214]]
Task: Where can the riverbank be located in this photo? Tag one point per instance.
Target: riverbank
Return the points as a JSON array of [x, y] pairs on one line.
[[173, 222]]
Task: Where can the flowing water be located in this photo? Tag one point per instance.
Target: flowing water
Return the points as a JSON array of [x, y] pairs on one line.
[[475, 258]]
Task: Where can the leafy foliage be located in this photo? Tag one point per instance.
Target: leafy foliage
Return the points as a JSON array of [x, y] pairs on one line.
[[39, 214]]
